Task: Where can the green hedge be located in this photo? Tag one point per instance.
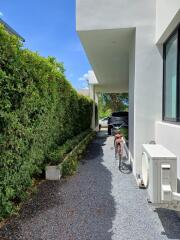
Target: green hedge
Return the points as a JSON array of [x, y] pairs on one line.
[[56, 156], [124, 131], [39, 110], [70, 162]]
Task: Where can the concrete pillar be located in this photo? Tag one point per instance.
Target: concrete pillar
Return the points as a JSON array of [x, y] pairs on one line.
[[92, 96]]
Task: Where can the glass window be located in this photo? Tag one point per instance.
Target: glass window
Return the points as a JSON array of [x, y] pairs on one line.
[[171, 79]]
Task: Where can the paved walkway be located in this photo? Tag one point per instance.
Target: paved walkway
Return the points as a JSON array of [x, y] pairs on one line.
[[98, 203]]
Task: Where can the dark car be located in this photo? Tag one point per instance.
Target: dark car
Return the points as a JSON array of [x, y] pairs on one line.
[[117, 119]]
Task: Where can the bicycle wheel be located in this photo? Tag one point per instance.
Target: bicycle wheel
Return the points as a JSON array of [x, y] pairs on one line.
[[120, 161]]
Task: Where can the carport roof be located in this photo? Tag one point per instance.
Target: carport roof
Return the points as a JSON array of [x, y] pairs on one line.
[[108, 54]]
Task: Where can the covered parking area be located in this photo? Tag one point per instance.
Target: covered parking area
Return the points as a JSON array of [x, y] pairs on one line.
[[111, 53]]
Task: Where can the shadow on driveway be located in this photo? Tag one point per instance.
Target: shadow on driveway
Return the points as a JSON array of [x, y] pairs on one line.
[[170, 222], [98, 203], [79, 207]]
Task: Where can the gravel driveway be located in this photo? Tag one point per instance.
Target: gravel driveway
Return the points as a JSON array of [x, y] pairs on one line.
[[98, 203]]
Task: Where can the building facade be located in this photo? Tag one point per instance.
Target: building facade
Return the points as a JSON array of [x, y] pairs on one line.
[[134, 46]]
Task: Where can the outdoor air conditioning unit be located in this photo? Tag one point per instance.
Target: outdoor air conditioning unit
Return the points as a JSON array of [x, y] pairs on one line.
[[159, 173]]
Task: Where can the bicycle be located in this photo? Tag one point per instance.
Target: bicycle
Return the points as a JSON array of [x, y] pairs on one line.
[[118, 145]]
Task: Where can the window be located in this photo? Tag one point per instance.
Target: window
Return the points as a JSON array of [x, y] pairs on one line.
[[171, 91]]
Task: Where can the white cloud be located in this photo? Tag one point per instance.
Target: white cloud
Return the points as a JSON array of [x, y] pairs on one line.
[[83, 81], [84, 78], [85, 88], [1, 14]]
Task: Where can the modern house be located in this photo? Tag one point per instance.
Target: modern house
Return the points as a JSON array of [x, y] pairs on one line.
[[10, 29], [134, 46]]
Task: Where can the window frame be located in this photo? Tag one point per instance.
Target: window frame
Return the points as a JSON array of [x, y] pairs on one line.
[[177, 118]]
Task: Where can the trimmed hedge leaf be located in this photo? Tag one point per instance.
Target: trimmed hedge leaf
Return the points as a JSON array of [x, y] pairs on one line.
[[39, 110]]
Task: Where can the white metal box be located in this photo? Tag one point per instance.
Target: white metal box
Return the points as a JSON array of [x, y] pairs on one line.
[[53, 173], [156, 155]]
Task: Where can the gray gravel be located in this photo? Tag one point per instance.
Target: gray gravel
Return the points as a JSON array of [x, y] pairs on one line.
[[98, 203]]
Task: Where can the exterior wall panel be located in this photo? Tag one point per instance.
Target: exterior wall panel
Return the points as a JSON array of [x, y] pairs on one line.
[[131, 97], [150, 19], [167, 17], [148, 88], [108, 14]]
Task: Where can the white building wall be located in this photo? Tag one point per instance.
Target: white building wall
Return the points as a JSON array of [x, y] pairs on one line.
[[146, 84], [167, 15], [148, 88], [108, 14], [150, 18], [131, 96]]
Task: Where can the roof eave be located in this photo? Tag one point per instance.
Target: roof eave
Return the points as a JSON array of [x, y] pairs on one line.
[[11, 30]]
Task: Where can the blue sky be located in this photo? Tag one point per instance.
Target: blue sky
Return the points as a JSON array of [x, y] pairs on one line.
[[49, 28]]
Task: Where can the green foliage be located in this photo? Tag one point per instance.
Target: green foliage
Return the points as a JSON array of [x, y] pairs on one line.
[[57, 155], [39, 110], [124, 132], [70, 163], [112, 102]]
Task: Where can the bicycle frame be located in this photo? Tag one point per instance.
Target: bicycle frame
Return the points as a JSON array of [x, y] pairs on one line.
[[118, 144], [120, 156]]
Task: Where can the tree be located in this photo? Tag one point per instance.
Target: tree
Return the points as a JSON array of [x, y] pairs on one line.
[[112, 102]]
